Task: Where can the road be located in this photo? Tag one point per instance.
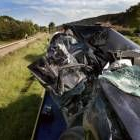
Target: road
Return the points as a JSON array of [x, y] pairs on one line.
[[5, 49]]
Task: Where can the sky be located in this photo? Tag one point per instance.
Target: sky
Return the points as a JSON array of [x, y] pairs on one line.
[[43, 12]]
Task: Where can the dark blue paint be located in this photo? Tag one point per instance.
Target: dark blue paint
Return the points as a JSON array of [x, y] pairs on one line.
[[51, 130]]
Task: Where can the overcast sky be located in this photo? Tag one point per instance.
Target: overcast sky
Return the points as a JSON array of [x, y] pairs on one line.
[[61, 11]]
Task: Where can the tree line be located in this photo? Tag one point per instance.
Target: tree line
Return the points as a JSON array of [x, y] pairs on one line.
[[128, 19], [15, 29]]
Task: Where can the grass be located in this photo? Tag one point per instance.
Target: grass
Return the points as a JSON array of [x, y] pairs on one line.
[[136, 39], [6, 42], [18, 109]]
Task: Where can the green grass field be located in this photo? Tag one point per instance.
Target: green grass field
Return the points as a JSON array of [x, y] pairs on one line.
[[18, 109], [136, 39]]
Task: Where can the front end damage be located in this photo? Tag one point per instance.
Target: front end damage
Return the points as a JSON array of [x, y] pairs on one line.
[[91, 76]]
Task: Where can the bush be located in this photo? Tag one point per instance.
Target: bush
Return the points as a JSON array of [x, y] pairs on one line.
[[14, 29]]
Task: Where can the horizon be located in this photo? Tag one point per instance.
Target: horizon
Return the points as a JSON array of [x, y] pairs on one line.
[[45, 11]]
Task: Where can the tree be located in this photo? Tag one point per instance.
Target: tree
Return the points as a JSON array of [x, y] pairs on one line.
[[43, 29], [37, 28], [8, 28], [133, 16], [51, 27], [15, 29]]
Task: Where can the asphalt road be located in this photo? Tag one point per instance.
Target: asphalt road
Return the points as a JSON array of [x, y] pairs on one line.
[[5, 49]]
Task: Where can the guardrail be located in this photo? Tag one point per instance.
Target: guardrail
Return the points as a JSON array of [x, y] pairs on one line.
[[8, 45]]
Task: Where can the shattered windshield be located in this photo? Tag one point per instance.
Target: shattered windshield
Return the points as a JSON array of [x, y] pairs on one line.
[[127, 79]]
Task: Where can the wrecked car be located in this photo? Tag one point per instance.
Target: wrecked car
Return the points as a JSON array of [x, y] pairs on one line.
[[91, 76]]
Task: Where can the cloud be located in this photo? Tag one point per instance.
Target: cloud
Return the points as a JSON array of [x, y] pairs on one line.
[[5, 10], [60, 11], [78, 9]]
